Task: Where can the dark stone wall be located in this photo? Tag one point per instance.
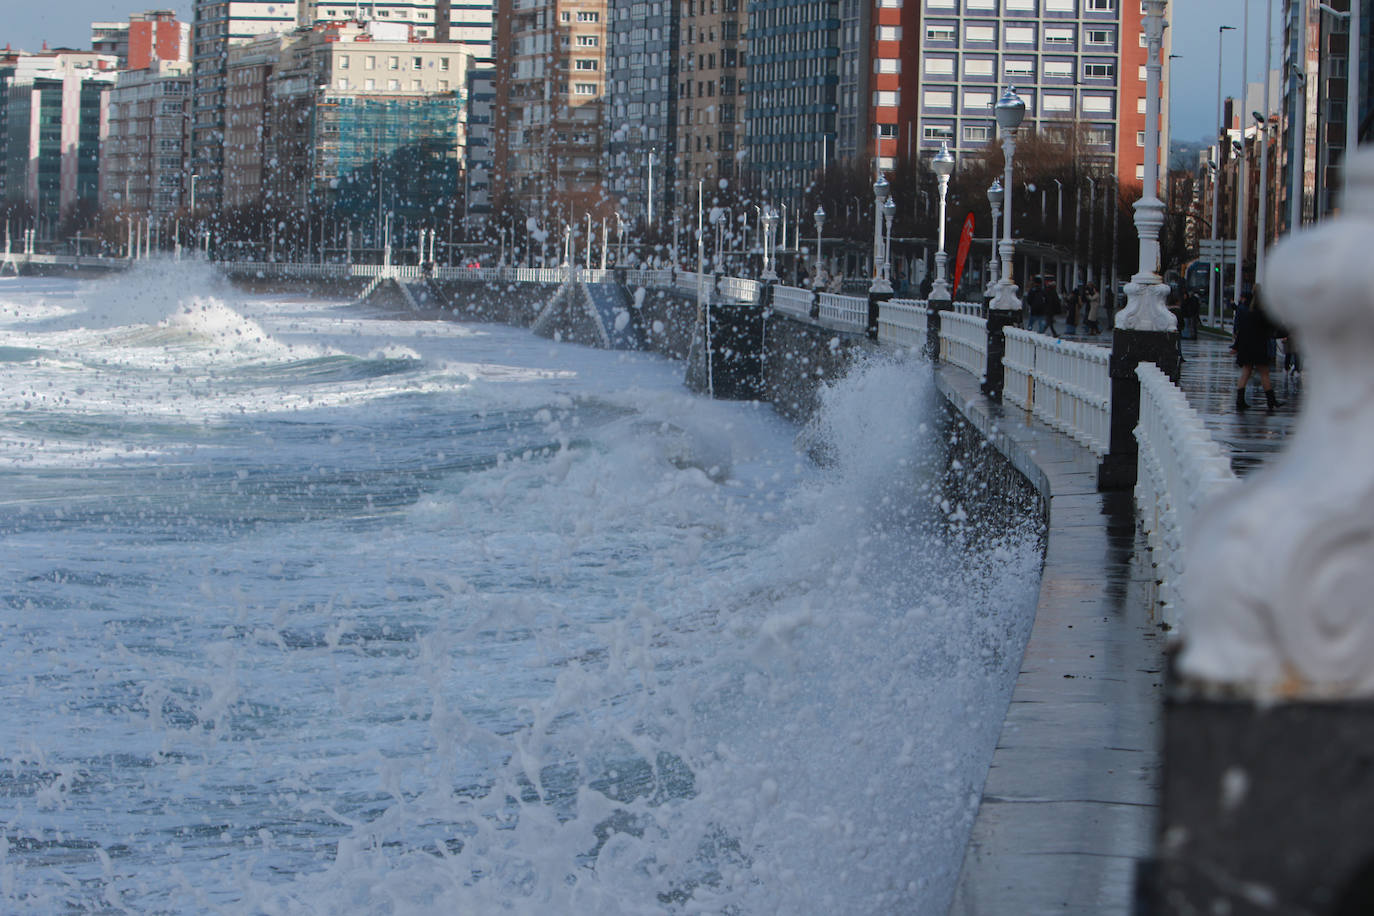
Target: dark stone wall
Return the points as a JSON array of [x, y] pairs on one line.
[[502, 303], [798, 358], [669, 319], [349, 288]]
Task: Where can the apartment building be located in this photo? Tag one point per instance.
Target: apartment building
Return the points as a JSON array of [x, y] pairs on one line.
[[1076, 63], [217, 26], [642, 69], [345, 118], [54, 117], [221, 24], [143, 156], [792, 93], [477, 118], [712, 80], [145, 38], [550, 96]]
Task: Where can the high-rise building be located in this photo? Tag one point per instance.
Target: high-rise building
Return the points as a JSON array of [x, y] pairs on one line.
[[218, 25], [712, 129], [145, 38], [347, 120], [642, 69], [143, 156], [550, 88], [221, 24], [54, 123], [792, 93]]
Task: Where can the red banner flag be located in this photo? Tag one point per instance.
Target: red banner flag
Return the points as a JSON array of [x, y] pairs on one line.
[[965, 240]]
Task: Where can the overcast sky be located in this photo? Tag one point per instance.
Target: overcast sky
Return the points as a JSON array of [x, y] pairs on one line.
[[28, 23]]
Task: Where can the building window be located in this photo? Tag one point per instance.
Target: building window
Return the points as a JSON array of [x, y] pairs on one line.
[[1058, 36], [393, 62], [443, 63], [976, 33], [1053, 104], [894, 33], [588, 41], [343, 61], [393, 85], [1097, 104], [977, 134], [892, 98], [584, 88], [1100, 37], [588, 16], [1099, 136], [1020, 35], [1101, 6], [370, 62], [369, 85], [416, 63], [937, 132], [1019, 68], [935, 66], [1058, 69], [586, 64], [1099, 71], [933, 98], [939, 33], [977, 67]]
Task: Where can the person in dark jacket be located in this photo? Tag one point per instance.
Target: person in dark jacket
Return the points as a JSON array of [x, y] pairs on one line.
[[1252, 344]]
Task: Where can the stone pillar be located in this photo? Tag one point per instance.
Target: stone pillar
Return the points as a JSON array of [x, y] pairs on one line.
[[874, 298], [1129, 349], [933, 319], [1268, 763], [999, 319]]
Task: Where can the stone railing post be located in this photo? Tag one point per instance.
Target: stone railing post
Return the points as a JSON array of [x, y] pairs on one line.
[[1268, 791], [999, 319], [875, 299], [1130, 348], [935, 309]]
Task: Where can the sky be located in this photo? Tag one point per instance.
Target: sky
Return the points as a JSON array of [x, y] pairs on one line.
[[67, 22]]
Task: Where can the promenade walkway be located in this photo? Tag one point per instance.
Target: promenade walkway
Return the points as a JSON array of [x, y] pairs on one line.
[[1070, 800]]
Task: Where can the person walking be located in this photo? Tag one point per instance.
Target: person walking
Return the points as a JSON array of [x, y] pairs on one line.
[[1092, 301], [1252, 343]]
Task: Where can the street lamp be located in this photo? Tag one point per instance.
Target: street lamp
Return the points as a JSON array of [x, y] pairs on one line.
[[995, 197], [1010, 111], [943, 164], [1214, 275], [819, 282], [889, 215], [770, 217], [1145, 307], [881, 189]]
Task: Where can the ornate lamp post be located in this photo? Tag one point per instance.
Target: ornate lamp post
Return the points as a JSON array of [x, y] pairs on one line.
[[889, 215], [1145, 329], [1011, 110], [880, 196], [819, 281], [943, 164], [995, 198], [770, 217], [1005, 307]]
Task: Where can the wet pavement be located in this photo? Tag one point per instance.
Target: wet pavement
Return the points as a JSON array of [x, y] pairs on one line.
[[1070, 802]]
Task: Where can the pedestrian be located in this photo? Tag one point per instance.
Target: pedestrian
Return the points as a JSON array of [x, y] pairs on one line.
[[1174, 303], [1036, 305], [1072, 305], [1053, 304], [1092, 300], [1252, 343], [1191, 312]]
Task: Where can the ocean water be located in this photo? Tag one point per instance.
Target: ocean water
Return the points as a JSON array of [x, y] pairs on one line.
[[310, 609]]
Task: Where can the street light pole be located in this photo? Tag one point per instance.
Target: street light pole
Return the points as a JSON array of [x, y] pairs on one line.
[[770, 219], [943, 164], [1261, 241], [1214, 278], [1146, 293], [995, 197], [819, 281], [1243, 172], [881, 190], [1010, 110]]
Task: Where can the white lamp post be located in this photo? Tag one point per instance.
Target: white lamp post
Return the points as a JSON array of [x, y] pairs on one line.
[[889, 216], [995, 197], [819, 281], [880, 196], [943, 164], [770, 218], [1146, 294], [1010, 110]]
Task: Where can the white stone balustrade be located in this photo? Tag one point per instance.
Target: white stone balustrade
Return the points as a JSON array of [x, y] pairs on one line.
[[1181, 468], [845, 311], [1066, 384], [1279, 589], [902, 322], [964, 342], [792, 301]]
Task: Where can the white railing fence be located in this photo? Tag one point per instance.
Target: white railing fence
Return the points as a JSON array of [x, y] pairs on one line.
[[1064, 383], [964, 342], [974, 309], [734, 289], [846, 311], [792, 301], [902, 322], [1180, 467]]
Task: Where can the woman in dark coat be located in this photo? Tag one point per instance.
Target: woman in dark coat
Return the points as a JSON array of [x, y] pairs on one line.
[[1254, 336]]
